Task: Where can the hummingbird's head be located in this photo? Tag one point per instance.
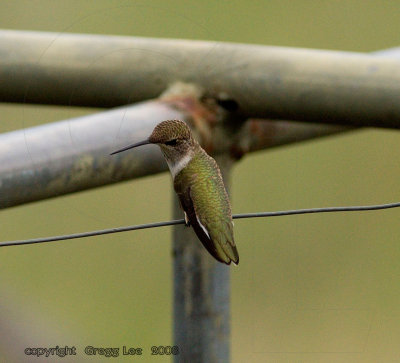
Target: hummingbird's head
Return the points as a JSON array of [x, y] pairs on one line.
[[171, 133], [175, 140]]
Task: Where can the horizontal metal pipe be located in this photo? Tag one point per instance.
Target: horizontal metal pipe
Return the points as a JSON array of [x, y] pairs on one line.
[[267, 82], [260, 134]]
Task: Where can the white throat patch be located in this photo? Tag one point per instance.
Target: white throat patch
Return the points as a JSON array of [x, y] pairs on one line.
[[175, 168]]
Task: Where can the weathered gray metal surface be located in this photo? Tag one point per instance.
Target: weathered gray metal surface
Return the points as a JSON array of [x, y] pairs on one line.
[[72, 155], [267, 82]]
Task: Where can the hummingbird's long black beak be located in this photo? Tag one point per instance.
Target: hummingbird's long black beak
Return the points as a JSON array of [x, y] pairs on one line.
[[144, 142]]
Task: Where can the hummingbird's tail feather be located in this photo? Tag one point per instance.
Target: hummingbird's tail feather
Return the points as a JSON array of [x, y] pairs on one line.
[[225, 240], [214, 249], [222, 249], [232, 252]]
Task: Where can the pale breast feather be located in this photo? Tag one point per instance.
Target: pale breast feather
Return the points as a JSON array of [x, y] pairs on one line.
[[176, 167]]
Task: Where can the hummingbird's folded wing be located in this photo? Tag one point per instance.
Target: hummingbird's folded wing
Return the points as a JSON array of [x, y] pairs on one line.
[[219, 243], [201, 230]]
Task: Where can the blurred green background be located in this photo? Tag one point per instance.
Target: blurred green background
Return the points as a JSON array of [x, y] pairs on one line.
[[313, 288]]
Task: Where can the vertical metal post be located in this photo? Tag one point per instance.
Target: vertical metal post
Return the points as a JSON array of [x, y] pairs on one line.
[[201, 294]]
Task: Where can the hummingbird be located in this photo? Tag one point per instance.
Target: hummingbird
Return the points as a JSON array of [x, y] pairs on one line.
[[199, 186]]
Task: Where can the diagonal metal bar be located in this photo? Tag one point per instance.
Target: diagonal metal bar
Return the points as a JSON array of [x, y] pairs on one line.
[[72, 155], [267, 82], [68, 156]]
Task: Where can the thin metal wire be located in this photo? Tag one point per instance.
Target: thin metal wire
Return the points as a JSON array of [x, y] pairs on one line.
[[181, 221]]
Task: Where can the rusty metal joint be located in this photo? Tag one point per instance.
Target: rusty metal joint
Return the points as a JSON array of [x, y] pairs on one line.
[[206, 114]]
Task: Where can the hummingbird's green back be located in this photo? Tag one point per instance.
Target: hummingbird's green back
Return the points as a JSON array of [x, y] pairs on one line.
[[203, 197]]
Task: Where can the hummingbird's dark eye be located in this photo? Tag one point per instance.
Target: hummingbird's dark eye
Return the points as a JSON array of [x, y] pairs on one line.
[[171, 142]]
